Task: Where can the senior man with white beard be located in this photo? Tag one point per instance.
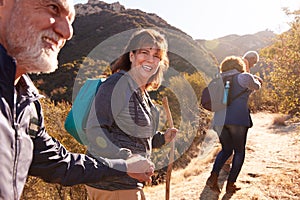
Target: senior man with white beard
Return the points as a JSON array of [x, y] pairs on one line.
[[32, 32]]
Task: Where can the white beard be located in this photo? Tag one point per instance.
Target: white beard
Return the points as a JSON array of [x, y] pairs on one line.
[[26, 45]]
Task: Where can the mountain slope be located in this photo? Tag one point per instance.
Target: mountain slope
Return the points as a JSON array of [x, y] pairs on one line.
[[237, 45], [102, 30], [96, 21]]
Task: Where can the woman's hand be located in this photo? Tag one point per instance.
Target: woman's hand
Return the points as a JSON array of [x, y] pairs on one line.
[[170, 134]]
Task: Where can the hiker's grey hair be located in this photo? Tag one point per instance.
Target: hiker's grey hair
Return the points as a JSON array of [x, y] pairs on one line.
[[251, 54]]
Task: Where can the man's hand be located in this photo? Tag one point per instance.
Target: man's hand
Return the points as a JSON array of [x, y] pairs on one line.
[[259, 79], [140, 168]]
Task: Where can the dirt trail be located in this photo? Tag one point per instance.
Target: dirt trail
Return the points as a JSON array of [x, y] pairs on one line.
[[270, 171]]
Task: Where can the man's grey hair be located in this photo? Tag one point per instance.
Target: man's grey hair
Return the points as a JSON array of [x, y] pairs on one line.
[[251, 54]]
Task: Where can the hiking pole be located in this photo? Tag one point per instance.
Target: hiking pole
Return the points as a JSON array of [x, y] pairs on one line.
[[171, 153]]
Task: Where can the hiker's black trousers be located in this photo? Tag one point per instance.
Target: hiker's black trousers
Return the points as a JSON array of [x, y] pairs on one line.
[[233, 140]]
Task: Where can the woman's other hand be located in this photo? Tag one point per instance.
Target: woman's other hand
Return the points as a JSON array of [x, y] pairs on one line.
[[170, 134]]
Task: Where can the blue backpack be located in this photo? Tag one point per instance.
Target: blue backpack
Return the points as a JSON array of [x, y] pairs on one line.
[[76, 119]]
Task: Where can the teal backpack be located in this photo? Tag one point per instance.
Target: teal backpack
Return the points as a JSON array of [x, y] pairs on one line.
[[76, 119]]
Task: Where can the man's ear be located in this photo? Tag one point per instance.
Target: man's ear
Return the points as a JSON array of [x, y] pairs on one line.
[[131, 56], [1, 4], [6, 7]]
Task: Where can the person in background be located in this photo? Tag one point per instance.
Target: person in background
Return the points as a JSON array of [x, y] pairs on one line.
[[250, 58], [128, 124], [31, 36], [232, 123]]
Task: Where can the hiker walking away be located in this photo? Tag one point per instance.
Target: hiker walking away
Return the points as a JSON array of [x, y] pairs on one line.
[[232, 123], [250, 58], [123, 120], [31, 35]]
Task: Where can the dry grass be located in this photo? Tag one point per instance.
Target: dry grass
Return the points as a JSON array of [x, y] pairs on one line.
[[280, 120], [287, 184], [270, 170]]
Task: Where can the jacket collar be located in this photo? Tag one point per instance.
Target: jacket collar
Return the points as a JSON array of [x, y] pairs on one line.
[[26, 88], [7, 76], [230, 73]]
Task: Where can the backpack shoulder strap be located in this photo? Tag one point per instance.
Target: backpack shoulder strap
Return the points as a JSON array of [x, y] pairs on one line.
[[36, 120], [239, 94]]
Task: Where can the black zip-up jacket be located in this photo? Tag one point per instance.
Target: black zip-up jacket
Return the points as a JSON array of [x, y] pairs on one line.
[[27, 149]]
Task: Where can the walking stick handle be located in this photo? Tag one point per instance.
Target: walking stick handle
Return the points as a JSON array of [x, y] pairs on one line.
[[171, 154], [168, 112]]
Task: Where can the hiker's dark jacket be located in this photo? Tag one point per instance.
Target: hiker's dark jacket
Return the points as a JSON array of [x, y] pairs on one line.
[[237, 113], [25, 146], [122, 122]]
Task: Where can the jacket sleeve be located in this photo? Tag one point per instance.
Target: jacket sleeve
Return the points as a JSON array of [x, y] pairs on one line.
[[101, 119], [249, 81], [53, 163]]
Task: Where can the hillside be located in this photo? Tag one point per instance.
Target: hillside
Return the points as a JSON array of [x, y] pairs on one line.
[[96, 21], [102, 30], [270, 171], [237, 45]]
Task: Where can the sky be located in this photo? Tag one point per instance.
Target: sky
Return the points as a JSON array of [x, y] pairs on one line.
[[211, 19]]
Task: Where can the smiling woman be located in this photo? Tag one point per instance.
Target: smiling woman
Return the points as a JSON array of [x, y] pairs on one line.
[[124, 116], [144, 65], [143, 45]]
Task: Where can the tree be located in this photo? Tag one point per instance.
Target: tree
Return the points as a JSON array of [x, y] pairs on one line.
[[284, 79]]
